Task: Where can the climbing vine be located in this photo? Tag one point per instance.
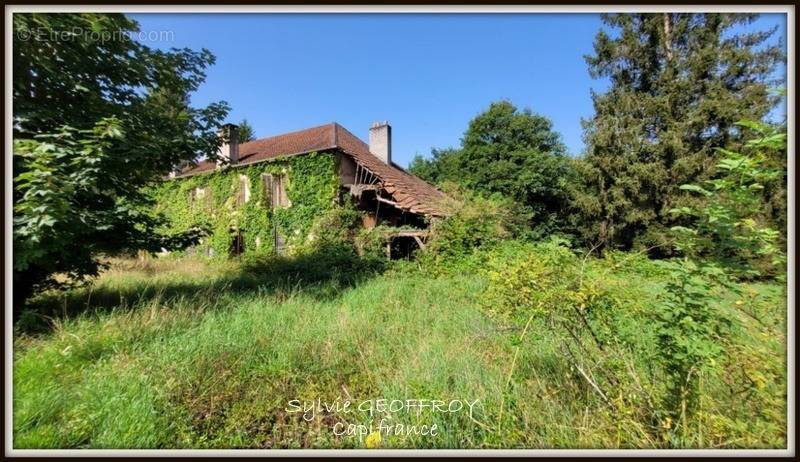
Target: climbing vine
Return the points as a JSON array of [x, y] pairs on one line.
[[311, 187]]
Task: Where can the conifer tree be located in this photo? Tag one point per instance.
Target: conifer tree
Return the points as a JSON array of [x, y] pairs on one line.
[[678, 84]]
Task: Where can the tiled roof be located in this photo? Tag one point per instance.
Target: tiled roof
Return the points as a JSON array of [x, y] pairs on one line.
[[202, 166], [299, 142], [408, 191]]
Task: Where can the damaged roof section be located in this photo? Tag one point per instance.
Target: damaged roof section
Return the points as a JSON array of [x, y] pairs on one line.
[[409, 192]]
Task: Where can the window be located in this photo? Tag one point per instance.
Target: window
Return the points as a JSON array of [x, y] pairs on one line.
[[275, 190], [196, 195], [237, 243], [280, 198]]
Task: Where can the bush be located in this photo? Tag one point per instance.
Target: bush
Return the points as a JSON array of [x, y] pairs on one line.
[[338, 226], [476, 222], [595, 319], [665, 363]]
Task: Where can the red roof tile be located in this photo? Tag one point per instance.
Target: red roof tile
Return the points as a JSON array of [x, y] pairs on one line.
[[299, 142], [410, 192]]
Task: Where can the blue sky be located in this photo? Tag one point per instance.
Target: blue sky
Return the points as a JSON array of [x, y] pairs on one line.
[[428, 75]]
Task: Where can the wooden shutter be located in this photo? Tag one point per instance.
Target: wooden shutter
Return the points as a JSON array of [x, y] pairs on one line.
[[282, 199], [277, 191], [267, 180], [244, 191]]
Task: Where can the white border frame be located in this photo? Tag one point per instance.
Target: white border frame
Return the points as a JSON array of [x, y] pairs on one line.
[[790, 318]]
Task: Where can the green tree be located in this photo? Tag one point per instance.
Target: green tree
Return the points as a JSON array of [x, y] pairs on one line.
[[514, 153], [246, 132], [519, 155], [441, 167], [97, 117], [679, 82]]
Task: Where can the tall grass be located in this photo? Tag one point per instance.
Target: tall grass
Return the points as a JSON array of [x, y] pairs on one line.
[[187, 353]]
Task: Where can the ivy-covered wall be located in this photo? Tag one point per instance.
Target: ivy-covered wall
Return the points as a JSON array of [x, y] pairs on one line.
[[312, 189]]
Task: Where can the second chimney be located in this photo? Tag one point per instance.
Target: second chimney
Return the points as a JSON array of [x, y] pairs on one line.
[[380, 141], [229, 149]]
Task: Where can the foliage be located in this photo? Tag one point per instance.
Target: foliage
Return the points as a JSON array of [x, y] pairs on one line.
[[665, 362], [692, 334], [246, 132], [476, 222], [442, 166], [76, 69], [733, 227], [718, 243], [97, 116], [597, 321], [312, 190], [513, 153], [337, 226], [142, 368], [679, 82], [619, 351], [74, 203]]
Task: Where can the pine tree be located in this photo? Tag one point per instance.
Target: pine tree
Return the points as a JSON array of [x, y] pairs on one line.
[[246, 132], [679, 83]]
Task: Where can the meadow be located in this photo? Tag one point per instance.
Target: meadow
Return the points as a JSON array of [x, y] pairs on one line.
[[192, 353]]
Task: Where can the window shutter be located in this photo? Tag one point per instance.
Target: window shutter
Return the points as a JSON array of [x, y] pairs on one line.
[[277, 187], [244, 191], [267, 179], [283, 198]]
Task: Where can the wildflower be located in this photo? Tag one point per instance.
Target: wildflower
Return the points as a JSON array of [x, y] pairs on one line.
[[373, 440], [667, 423]]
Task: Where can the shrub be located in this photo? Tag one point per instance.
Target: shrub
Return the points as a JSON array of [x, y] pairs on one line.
[[727, 238], [595, 320], [476, 222], [338, 226]]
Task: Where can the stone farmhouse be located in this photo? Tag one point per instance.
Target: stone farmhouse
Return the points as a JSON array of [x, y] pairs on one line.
[[272, 200]]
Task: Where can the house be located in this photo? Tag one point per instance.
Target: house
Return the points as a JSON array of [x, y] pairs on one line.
[[267, 192]]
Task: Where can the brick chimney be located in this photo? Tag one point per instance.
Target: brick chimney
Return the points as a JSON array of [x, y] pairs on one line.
[[380, 141], [229, 149]]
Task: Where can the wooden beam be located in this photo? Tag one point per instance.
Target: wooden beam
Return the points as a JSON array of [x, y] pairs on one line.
[[387, 201], [410, 234]]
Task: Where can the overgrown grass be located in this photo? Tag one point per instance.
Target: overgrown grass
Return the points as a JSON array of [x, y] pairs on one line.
[[187, 353]]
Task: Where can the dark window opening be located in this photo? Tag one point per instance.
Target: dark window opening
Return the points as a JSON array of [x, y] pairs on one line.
[[401, 247], [237, 243]]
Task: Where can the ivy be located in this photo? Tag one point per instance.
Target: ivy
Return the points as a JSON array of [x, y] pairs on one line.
[[312, 187]]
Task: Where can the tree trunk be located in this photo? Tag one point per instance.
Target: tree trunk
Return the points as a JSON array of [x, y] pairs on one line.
[[668, 36]]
